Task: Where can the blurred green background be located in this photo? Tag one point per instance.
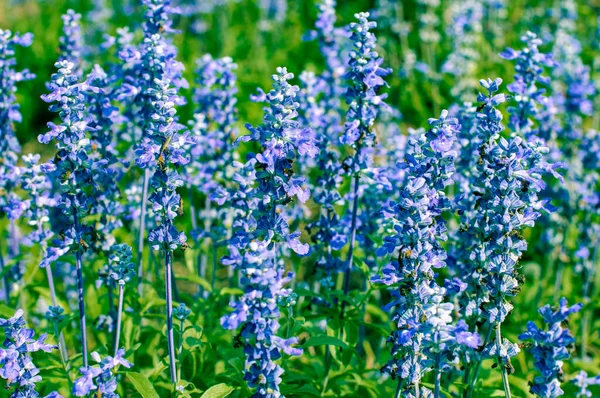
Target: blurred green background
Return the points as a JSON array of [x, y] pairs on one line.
[[237, 29]]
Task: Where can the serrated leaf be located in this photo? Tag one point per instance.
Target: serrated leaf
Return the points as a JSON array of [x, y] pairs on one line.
[[142, 385], [218, 391]]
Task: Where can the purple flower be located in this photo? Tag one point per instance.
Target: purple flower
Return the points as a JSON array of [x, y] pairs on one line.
[[550, 348], [265, 186], [100, 378], [17, 366]]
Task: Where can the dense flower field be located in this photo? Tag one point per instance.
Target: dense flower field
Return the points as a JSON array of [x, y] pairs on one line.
[[302, 199]]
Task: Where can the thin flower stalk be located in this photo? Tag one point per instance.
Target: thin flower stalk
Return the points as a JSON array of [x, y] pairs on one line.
[[120, 270], [181, 313]]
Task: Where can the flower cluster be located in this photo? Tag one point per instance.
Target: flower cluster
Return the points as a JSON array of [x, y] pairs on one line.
[[99, 380], [71, 42], [529, 68], [76, 172], [424, 338], [161, 146], [165, 148], [104, 119], [72, 166], [18, 369], [259, 232], [550, 348], [214, 122], [465, 31], [154, 58], [508, 179], [272, 11], [35, 181], [11, 205], [121, 267], [10, 114], [329, 38], [9, 77], [572, 83], [583, 381], [364, 78], [319, 99]]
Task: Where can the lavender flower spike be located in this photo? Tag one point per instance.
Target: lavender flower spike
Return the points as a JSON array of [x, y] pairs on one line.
[[74, 170], [164, 147], [364, 78], [582, 381], [550, 348], [10, 204], [100, 379], [424, 338], [214, 129], [154, 60], [71, 42], [529, 68], [261, 233], [509, 178], [18, 369]]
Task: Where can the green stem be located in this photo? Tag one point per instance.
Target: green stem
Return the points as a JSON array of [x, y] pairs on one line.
[[61, 337], [180, 350], [350, 252], [203, 265], [503, 368], [438, 378], [4, 280], [398, 392], [61, 347], [80, 288], [213, 277], [119, 317], [142, 230], [169, 299], [290, 320], [477, 366], [586, 316]]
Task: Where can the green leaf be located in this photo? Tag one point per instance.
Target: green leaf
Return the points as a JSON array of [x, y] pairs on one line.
[[142, 385], [195, 279], [237, 364], [323, 339], [6, 312], [432, 388], [303, 391], [226, 291], [218, 391]]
